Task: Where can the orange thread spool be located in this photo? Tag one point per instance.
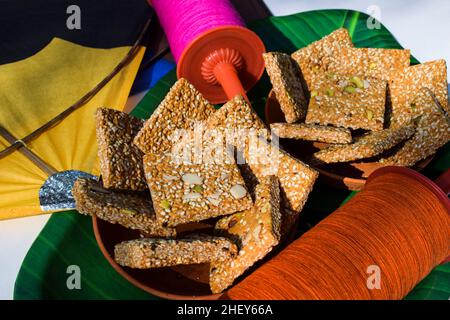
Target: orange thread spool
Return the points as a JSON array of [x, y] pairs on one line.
[[400, 222]]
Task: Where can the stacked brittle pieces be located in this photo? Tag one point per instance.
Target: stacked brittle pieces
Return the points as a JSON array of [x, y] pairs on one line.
[[362, 102], [192, 164], [188, 164]]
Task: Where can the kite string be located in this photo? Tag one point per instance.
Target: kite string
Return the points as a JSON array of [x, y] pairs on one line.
[[386, 235], [184, 20]]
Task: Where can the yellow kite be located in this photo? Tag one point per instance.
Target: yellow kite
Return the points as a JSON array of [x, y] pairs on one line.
[[35, 90]]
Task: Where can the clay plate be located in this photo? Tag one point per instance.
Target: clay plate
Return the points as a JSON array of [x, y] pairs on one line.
[[180, 282], [188, 282], [349, 176]]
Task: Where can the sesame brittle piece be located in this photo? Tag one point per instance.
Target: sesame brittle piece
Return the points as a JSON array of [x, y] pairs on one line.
[[182, 108], [347, 101], [367, 146], [156, 253], [120, 160], [432, 132], [312, 132], [185, 191], [286, 80], [315, 57], [236, 113], [403, 90], [132, 211], [234, 120], [256, 231], [383, 64], [296, 178]]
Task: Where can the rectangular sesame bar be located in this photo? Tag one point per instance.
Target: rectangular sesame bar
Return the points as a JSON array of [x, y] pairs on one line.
[[256, 231], [312, 132], [315, 57], [431, 75], [296, 178], [187, 191], [156, 253], [236, 113], [367, 146], [237, 120], [432, 132], [347, 101], [382, 64], [182, 108], [120, 160], [132, 211], [287, 84], [234, 120]]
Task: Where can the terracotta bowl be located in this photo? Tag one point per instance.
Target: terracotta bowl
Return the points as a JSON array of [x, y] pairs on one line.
[[188, 282], [180, 282], [349, 176]]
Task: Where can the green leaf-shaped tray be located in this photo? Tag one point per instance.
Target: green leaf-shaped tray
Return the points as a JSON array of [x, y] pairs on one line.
[[68, 239]]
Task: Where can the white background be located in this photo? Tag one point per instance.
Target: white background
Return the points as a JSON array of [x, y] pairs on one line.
[[419, 25]]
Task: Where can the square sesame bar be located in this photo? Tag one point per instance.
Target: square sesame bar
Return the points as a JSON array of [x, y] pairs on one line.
[[432, 132], [235, 120], [287, 84], [431, 75], [182, 108], [347, 101], [383, 64], [367, 146], [236, 113], [315, 57], [296, 178], [133, 211], [312, 132], [156, 253], [120, 160], [189, 191], [256, 231]]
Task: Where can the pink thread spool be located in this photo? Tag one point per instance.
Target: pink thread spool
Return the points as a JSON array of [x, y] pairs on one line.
[[212, 47]]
